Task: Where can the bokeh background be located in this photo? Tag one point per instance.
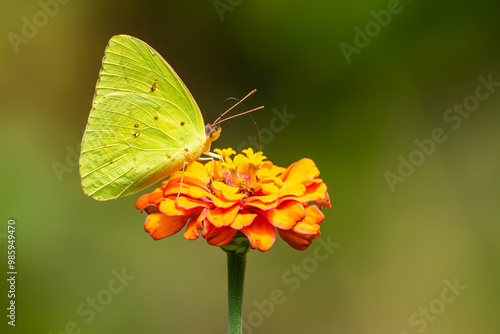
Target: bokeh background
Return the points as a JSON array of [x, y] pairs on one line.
[[353, 118]]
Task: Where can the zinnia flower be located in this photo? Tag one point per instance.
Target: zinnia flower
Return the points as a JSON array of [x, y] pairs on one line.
[[246, 193]]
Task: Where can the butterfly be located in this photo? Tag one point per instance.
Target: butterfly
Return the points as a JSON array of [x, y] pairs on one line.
[[144, 124]]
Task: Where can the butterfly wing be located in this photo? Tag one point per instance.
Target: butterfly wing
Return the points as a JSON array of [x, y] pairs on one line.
[[144, 124]]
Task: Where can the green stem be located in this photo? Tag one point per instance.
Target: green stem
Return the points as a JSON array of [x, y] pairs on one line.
[[235, 279]]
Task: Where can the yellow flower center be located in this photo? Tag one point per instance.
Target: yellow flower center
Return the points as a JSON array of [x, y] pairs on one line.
[[239, 172]]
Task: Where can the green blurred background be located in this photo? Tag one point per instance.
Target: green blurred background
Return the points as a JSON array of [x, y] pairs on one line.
[[354, 119]]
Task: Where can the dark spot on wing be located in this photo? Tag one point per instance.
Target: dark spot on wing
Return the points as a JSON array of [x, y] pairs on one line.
[[182, 123], [153, 87], [169, 156], [156, 118], [137, 134], [136, 125], [186, 149]]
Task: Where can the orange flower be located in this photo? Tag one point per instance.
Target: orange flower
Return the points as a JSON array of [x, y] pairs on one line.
[[246, 193]]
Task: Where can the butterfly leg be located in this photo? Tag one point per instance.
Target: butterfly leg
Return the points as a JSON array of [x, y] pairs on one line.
[[182, 180], [210, 156]]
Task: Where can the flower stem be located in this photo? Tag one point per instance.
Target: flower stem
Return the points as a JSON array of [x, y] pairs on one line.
[[235, 279]]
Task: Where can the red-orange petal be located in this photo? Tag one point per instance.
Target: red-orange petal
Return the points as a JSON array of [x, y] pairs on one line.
[[260, 205], [286, 215], [263, 199], [272, 180], [220, 203], [297, 240], [324, 201], [268, 188], [223, 216], [199, 193], [156, 196], [160, 225], [315, 191], [142, 202], [226, 192], [300, 171], [174, 188], [189, 178], [310, 223], [243, 219], [260, 233], [195, 225], [200, 170], [190, 204], [293, 190], [169, 208], [218, 236], [269, 170]]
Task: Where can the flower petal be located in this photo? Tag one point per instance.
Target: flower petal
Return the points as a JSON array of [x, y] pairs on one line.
[[174, 188], [142, 202], [156, 196], [324, 201], [301, 236], [226, 192], [310, 223], [293, 190], [272, 179], [223, 216], [218, 236], [222, 203], [243, 219], [266, 188], [169, 208], [269, 170], [286, 215], [199, 193], [195, 225], [300, 171], [260, 205], [315, 192], [200, 170], [190, 204], [260, 233], [160, 225], [297, 240], [190, 179], [263, 199]]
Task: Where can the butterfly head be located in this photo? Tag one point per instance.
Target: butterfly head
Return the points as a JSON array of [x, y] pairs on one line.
[[212, 132]]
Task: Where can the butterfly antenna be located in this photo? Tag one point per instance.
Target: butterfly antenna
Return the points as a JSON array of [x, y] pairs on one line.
[[258, 131], [243, 113], [254, 122], [217, 121]]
